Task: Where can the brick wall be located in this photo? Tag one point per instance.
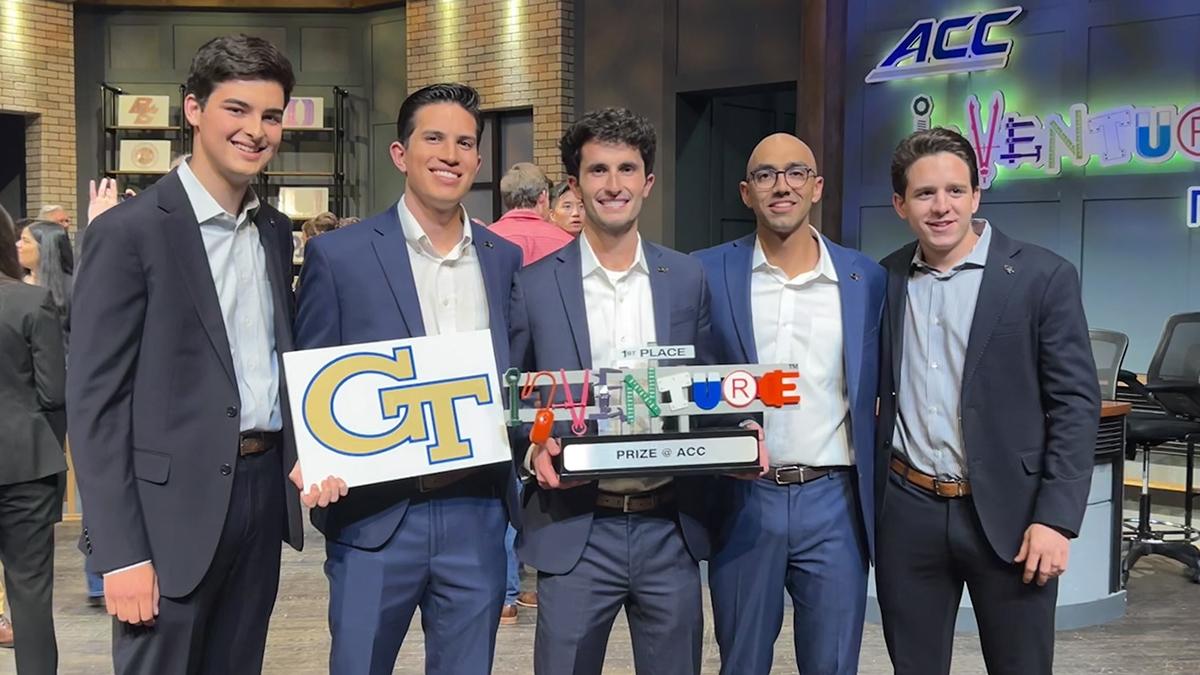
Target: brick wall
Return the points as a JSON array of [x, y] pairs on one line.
[[37, 80], [517, 53]]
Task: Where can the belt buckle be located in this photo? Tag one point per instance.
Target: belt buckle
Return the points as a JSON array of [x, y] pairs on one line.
[[780, 469], [938, 483]]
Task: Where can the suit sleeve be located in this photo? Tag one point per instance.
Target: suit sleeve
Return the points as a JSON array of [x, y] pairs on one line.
[[1071, 398], [45, 337], [108, 315], [318, 316], [521, 358]]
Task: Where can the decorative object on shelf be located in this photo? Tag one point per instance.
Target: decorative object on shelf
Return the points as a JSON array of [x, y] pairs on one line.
[[304, 112], [137, 111], [297, 248], [145, 156], [303, 202]]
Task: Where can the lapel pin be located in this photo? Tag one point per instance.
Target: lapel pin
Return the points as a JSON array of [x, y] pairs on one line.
[[854, 276], [488, 244], [663, 269], [1008, 269]]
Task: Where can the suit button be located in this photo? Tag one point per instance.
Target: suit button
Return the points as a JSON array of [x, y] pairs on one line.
[[231, 411], [226, 469]]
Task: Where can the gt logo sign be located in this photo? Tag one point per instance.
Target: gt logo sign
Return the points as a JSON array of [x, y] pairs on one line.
[[927, 44]]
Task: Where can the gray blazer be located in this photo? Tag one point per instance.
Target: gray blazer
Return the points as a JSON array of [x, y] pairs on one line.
[[32, 382]]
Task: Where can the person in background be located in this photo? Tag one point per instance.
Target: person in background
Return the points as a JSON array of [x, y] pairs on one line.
[[318, 224], [348, 220], [45, 250], [566, 210], [32, 372], [525, 191], [55, 214]]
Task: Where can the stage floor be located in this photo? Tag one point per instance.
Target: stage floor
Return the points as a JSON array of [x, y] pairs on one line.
[[1158, 636]]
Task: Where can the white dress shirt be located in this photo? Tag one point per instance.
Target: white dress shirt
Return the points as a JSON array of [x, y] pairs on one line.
[[239, 271], [799, 320], [620, 315], [449, 287]]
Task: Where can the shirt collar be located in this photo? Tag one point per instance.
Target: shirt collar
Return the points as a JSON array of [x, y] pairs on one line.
[[824, 266], [415, 235], [591, 264], [978, 255], [204, 205]]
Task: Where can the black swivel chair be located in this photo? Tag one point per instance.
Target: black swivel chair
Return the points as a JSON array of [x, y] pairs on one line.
[[1173, 383], [1108, 350]]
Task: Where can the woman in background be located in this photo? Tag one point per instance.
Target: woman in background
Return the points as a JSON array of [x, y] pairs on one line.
[[32, 462], [565, 208], [45, 250]]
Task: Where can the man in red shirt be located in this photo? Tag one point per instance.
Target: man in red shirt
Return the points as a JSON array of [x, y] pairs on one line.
[[526, 194]]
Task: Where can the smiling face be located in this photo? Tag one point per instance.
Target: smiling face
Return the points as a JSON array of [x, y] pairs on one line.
[[938, 204], [779, 205], [28, 251], [568, 212], [238, 130], [440, 158], [612, 185]]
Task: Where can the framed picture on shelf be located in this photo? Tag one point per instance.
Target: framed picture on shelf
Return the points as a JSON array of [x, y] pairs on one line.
[[137, 111], [303, 202], [304, 112], [145, 156]]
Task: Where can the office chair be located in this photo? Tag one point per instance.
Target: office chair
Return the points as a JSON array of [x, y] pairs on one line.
[[1108, 350], [1172, 382]]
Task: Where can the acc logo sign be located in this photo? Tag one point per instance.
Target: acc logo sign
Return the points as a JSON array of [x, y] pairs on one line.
[[926, 44], [409, 403]]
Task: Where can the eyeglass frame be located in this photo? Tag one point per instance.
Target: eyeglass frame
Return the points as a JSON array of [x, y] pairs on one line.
[[775, 173]]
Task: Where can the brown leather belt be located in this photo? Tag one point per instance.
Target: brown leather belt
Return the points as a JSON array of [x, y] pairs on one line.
[[636, 503], [437, 481], [257, 442], [798, 475], [951, 489]]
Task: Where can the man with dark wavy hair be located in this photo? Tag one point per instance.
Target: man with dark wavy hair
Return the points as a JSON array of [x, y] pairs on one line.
[[175, 398], [601, 546]]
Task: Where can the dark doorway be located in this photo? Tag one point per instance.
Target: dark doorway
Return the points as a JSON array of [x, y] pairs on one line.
[[717, 130], [12, 165]]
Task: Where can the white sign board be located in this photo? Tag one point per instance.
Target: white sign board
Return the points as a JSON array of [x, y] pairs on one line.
[[381, 411]]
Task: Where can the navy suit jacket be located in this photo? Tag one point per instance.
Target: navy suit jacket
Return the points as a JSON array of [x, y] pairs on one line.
[[152, 396], [861, 285], [357, 286], [1030, 401], [549, 332]]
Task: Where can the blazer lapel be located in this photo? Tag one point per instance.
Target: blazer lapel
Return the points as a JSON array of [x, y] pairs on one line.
[[497, 288], [738, 260], [391, 250], [994, 290], [192, 259], [569, 274], [852, 291], [660, 293], [278, 278], [897, 298]]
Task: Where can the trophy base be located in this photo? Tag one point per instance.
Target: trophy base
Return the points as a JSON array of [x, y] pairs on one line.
[[710, 451]]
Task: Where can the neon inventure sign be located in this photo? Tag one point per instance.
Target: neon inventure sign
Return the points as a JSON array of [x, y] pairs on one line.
[[925, 48], [1114, 136]]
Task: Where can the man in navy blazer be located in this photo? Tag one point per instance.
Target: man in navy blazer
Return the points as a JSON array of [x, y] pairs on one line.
[[786, 294], [632, 543], [420, 268], [989, 405], [175, 394]]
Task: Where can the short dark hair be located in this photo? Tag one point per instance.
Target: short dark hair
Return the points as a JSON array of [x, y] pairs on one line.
[[608, 125], [557, 192], [930, 142], [442, 92], [238, 57]]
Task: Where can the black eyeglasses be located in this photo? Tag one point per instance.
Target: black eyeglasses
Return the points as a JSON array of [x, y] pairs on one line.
[[795, 177]]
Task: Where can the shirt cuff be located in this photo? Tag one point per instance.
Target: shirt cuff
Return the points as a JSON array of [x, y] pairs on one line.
[[527, 463], [127, 567]]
